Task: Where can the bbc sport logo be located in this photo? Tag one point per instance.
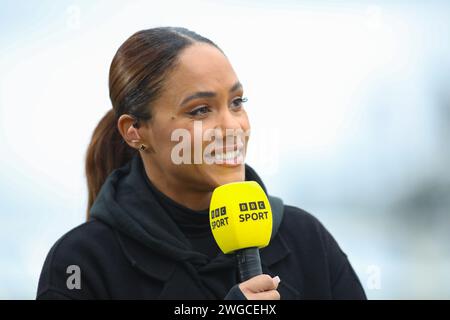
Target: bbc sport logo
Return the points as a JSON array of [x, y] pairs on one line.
[[218, 212], [244, 206]]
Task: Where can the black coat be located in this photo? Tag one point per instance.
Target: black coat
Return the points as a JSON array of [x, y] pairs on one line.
[[131, 249]]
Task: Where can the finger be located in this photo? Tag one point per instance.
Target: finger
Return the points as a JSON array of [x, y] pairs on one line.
[[276, 280], [267, 295], [263, 282]]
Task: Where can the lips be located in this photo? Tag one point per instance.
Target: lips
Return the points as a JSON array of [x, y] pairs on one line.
[[229, 156]]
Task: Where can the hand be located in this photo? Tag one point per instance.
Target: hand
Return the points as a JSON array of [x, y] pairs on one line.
[[262, 287]]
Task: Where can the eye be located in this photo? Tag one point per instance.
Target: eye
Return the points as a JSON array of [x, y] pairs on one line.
[[200, 111], [237, 104]]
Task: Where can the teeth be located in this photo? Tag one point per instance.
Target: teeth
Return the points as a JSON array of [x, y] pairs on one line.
[[228, 155]]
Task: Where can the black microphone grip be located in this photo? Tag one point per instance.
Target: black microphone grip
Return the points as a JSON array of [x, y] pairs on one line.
[[249, 263]]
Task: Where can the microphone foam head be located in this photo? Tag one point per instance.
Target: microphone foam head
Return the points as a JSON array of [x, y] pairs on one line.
[[240, 216]]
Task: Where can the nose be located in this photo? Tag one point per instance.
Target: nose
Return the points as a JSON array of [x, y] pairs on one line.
[[229, 129], [228, 123]]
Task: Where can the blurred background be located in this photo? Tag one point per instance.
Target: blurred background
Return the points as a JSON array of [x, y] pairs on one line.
[[349, 103]]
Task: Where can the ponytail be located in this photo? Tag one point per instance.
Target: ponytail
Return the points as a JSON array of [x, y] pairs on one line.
[[106, 152]]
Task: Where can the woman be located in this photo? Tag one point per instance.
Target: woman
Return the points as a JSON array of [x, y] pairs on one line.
[[147, 234]]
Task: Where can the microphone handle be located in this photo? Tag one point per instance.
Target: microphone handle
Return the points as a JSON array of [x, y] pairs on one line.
[[249, 263]]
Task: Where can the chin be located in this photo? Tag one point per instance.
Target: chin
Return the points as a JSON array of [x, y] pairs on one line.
[[225, 174]]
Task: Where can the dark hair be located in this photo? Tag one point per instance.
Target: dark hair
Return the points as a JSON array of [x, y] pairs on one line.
[[136, 80]]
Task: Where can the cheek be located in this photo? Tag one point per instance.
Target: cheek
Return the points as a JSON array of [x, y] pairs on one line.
[[245, 125], [244, 121], [183, 139], [162, 139]]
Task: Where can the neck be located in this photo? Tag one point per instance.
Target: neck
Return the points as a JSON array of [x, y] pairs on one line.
[[189, 197]]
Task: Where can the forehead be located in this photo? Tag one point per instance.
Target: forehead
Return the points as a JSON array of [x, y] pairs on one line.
[[201, 67]]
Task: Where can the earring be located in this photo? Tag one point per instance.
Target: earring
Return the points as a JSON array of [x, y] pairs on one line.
[[142, 147]]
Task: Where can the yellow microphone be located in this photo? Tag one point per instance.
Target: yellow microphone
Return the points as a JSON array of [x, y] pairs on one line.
[[241, 223]]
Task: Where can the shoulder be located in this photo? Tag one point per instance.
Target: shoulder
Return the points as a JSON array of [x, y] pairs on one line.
[[298, 215], [90, 236], [303, 228], [319, 255], [297, 218], [87, 248]]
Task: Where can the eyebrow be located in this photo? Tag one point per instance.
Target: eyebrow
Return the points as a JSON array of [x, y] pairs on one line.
[[208, 94]]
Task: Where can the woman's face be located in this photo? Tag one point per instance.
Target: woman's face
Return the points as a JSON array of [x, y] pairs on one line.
[[220, 121]]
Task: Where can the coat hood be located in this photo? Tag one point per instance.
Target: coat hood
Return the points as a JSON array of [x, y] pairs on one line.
[[126, 203]]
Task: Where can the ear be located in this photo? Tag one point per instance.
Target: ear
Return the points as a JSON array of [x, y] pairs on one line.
[[129, 132]]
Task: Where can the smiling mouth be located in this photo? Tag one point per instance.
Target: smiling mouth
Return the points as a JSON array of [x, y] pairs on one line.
[[230, 157]]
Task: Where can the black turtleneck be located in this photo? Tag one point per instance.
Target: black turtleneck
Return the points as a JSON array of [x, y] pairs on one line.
[[194, 224]]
